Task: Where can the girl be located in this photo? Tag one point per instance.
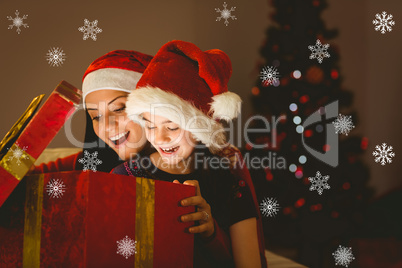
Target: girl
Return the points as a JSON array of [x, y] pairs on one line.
[[106, 84], [182, 92]]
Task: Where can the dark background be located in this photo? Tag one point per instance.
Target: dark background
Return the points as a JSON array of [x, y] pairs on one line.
[[370, 61]]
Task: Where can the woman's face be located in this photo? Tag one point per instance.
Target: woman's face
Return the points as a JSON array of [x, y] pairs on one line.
[[111, 124]]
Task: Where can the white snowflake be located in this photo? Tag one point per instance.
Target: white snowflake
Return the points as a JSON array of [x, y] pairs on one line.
[[343, 256], [269, 207], [225, 14], [55, 56], [90, 29], [55, 188], [18, 153], [343, 124], [384, 22], [90, 161], [383, 154], [269, 75], [319, 183], [319, 51], [18, 22], [126, 247]]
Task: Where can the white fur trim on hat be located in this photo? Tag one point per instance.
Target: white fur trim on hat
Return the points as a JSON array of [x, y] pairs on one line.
[[226, 106], [162, 103], [111, 79]]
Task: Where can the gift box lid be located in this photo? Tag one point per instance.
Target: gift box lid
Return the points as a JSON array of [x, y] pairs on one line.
[[32, 133], [20, 125]]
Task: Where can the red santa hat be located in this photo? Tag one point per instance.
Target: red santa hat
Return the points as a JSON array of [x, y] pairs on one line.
[[189, 87], [117, 70]]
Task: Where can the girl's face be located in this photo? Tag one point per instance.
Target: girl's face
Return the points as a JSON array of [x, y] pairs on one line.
[[111, 124], [173, 144]]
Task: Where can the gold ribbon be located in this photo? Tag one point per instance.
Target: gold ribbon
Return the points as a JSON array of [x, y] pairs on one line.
[[18, 127], [18, 165], [33, 221], [144, 222]]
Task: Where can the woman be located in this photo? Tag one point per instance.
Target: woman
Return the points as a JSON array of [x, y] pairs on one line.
[[109, 134]]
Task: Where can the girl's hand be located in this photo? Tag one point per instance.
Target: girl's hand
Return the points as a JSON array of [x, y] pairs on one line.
[[203, 215]]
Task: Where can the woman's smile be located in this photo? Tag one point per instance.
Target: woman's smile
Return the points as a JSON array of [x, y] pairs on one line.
[[120, 138]]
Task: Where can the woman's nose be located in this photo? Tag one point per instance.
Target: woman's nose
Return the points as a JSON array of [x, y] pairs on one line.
[[111, 123]]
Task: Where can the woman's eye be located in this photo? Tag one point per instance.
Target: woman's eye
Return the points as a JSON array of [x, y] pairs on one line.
[[96, 118], [150, 127], [173, 129]]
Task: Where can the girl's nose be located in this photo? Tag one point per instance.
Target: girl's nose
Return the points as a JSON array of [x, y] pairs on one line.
[[161, 137]]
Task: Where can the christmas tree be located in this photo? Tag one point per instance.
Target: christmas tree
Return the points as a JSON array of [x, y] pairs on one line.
[[318, 202]]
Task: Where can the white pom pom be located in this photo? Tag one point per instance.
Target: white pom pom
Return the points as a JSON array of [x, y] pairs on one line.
[[226, 106]]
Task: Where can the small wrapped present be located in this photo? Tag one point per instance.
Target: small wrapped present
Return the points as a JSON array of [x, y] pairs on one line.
[[29, 137], [95, 219]]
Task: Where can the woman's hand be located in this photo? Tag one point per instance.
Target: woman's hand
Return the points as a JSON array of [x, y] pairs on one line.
[[203, 215]]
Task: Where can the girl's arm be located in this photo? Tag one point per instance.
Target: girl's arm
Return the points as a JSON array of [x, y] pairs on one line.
[[245, 243]]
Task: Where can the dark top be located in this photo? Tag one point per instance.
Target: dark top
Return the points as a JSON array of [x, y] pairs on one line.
[[230, 199]]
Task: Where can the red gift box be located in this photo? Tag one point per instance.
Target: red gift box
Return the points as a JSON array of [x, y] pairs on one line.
[[36, 136], [95, 219]]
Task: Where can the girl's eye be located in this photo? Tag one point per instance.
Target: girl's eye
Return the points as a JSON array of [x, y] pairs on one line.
[[150, 127], [173, 129], [120, 109]]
